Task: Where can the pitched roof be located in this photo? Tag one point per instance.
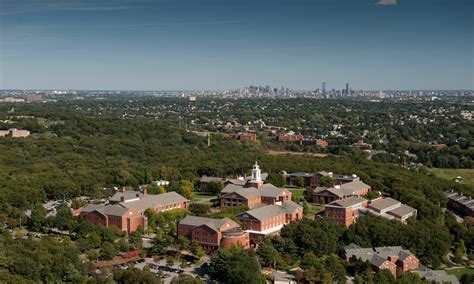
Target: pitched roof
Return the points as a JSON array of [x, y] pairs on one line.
[[377, 260], [402, 211], [91, 207], [265, 212], [353, 187], [383, 203], [269, 190], [346, 189], [437, 276], [347, 202], [113, 210], [215, 224], [231, 188], [236, 181], [128, 195], [209, 179], [290, 207], [151, 200]]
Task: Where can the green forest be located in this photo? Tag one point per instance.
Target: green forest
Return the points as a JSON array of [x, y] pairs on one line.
[[86, 148]]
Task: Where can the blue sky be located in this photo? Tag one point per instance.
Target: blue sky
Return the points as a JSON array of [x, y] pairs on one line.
[[221, 44]]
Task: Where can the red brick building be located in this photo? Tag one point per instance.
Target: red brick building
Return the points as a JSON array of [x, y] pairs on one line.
[[126, 209], [212, 233], [397, 260], [346, 211], [254, 192], [244, 136], [289, 138], [268, 220], [327, 195]]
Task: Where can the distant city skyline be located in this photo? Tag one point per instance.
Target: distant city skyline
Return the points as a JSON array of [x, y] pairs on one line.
[[230, 44]]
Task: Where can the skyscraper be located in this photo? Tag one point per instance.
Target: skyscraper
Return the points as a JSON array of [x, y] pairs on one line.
[[324, 88], [347, 88]]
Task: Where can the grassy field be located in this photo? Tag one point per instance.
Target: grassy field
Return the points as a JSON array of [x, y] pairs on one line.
[[202, 197], [450, 174], [276, 153], [460, 271], [297, 193], [315, 208]]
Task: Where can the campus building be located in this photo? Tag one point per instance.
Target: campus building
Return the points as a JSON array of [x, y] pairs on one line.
[[126, 209], [460, 203], [253, 192], [346, 211], [270, 206], [211, 233], [267, 220], [395, 259], [312, 180], [325, 195]]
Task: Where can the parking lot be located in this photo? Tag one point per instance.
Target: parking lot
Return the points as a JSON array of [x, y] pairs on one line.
[[169, 272]]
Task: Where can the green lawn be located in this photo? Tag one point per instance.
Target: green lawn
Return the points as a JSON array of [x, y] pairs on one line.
[[297, 193], [202, 197], [450, 174], [315, 208], [460, 271]]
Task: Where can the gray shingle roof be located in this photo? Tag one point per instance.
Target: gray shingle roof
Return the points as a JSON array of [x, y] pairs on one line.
[[91, 207], [113, 210], [353, 187], [269, 190], [127, 194], [383, 203], [215, 224], [348, 202], [290, 207], [377, 260], [265, 212], [231, 188], [402, 211], [150, 201], [347, 189], [209, 179], [438, 276]]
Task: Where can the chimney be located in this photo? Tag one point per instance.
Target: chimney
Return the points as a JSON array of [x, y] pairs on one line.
[[122, 198]]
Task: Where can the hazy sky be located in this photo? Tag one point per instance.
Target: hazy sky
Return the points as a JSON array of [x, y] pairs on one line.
[[220, 44]]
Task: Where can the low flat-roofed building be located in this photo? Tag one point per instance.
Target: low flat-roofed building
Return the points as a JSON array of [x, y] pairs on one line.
[[390, 208], [437, 276], [460, 203]]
